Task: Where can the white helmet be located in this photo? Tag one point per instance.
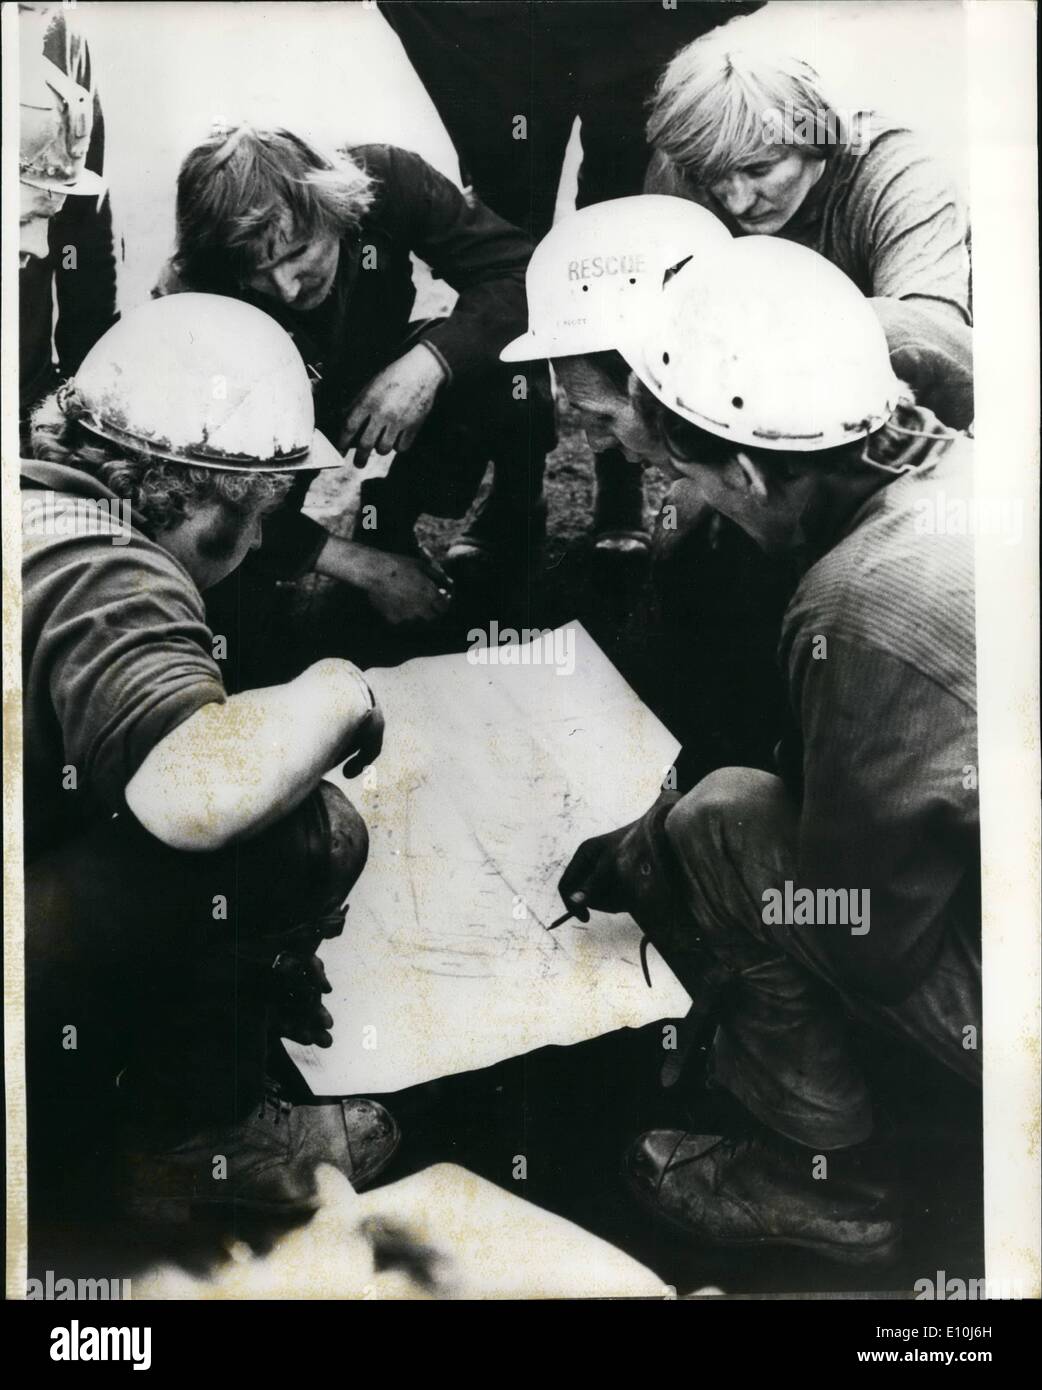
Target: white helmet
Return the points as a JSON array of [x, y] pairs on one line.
[[775, 348], [56, 119], [597, 269], [203, 380]]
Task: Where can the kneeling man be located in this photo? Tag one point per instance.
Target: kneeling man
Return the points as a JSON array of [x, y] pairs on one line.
[[848, 887], [184, 856]]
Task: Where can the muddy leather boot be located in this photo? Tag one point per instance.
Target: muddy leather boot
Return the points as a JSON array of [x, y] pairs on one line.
[[263, 1164], [761, 1191]]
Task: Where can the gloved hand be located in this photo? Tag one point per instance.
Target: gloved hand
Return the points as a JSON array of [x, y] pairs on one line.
[[593, 879], [298, 984]]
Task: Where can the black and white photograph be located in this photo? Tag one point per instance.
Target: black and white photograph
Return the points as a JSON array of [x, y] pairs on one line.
[[520, 658]]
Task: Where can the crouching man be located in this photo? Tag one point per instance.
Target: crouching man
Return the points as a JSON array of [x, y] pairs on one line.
[[184, 857], [324, 244], [848, 887]]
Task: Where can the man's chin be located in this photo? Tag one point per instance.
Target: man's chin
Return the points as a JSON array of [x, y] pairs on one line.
[[318, 295], [311, 301], [763, 226]]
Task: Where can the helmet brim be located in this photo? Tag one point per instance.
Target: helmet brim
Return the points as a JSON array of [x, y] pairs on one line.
[[534, 346], [319, 457], [636, 358], [86, 184]]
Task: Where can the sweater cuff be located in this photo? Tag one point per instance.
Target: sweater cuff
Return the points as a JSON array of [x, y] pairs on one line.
[[648, 867], [440, 358]]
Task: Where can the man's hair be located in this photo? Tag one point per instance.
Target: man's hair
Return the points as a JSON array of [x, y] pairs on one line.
[[232, 188], [161, 494], [721, 102], [687, 443]]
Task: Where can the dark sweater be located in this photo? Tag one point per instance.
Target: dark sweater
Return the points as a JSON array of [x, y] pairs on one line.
[[362, 325]]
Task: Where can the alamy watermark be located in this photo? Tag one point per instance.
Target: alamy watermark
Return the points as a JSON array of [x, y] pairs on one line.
[[57, 1288], [943, 1288], [527, 646], [804, 127], [941, 515], [86, 516], [817, 907], [81, 1342]]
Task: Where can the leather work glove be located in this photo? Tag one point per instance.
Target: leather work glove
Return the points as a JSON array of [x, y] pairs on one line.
[[594, 879], [631, 870], [298, 984]]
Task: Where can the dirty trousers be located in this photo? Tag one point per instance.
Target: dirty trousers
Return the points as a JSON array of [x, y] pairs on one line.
[[782, 1046]]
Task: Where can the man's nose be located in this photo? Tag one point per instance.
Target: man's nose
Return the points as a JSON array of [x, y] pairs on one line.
[[739, 195], [286, 282], [599, 438]]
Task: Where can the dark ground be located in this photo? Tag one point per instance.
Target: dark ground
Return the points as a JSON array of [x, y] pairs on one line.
[[574, 1111]]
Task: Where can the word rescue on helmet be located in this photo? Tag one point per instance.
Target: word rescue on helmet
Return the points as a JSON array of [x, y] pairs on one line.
[[592, 267]]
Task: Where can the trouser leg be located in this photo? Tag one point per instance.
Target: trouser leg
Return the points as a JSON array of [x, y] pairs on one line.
[[615, 152], [484, 65], [782, 1048], [157, 964]]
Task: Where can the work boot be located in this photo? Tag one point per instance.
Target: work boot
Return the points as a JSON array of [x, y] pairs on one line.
[[620, 537], [758, 1193], [505, 537], [264, 1164]]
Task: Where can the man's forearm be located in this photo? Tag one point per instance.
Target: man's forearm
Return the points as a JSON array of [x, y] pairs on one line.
[[347, 561], [233, 769]]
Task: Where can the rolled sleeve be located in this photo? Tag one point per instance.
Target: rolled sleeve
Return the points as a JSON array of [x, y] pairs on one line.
[[128, 660]]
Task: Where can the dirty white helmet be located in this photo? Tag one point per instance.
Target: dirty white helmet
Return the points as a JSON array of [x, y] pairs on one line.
[[597, 269], [203, 380], [56, 115], [774, 347]]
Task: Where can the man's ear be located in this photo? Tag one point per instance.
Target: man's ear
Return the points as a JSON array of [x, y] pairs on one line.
[[754, 476]]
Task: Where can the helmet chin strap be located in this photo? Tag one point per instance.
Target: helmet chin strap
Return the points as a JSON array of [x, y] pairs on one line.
[[901, 469]]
